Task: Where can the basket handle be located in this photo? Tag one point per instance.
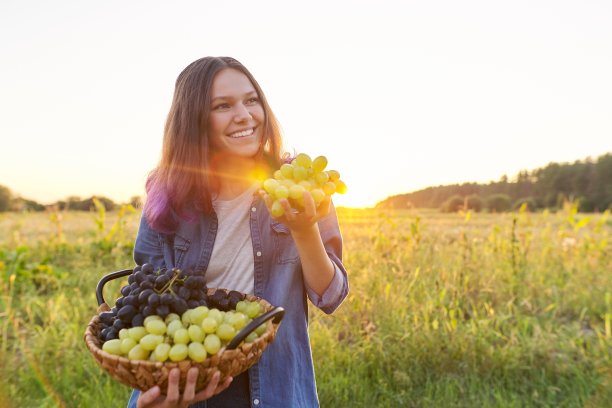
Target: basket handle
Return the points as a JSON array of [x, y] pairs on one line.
[[277, 314], [105, 279]]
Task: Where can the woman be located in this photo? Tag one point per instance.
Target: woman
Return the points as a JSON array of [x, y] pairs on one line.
[[204, 211]]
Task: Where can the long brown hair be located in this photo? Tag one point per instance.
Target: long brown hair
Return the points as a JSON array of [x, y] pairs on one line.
[[180, 184]]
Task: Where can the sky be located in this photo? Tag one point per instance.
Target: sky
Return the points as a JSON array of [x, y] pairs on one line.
[[398, 95]]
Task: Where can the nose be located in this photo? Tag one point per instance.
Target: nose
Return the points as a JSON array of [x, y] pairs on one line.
[[242, 113]]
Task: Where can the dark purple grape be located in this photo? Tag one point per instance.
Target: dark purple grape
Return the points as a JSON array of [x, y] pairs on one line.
[[126, 313], [223, 305], [112, 334], [119, 302], [125, 290], [193, 303], [166, 299], [118, 325], [137, 320], [137, 268], [163, 311], [130, 300], [131, 279], [135, 292], [153, 299], [114, 310], [146, 285], [147, 311], [179, 306], [134, 285], [203, 302], [184, 293], [107, 318], [161, 281], [190, 282], [147, 268], [144, 295], [104, 331]]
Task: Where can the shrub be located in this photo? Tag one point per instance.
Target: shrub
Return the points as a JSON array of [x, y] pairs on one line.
[[498, 203], [453, 204], [474, 202]]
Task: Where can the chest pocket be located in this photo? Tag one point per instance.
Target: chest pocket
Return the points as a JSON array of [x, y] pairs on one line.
[[180, 246], [284, 248]]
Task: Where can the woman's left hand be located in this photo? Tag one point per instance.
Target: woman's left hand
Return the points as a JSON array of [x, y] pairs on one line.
[[301, 221]]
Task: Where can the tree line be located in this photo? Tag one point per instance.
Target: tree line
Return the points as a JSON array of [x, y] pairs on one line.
[[11, 202], [587, 182]]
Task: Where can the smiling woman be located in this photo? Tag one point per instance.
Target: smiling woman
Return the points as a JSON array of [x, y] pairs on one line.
[[204, 211]]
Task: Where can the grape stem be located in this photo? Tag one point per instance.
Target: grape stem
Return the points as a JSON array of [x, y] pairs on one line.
[[175, 274]]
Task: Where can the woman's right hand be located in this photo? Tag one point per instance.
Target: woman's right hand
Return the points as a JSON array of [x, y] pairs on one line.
[[173, 398]]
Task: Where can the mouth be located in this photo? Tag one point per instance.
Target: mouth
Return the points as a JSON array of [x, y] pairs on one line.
[[242, 133]]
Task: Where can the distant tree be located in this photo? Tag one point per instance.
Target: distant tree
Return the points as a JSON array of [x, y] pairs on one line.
[[453, 204], [498, 203], [5, 198], [474, 202], [136, 201], [529, 202]]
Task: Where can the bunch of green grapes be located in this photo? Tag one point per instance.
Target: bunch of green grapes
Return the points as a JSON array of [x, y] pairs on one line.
[[197, 334], [301, 175]]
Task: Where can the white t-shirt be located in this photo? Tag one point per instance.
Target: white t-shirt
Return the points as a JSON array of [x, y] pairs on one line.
[[231, 264]]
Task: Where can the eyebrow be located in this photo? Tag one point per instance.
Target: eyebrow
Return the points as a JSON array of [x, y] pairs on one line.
[[229, 97]]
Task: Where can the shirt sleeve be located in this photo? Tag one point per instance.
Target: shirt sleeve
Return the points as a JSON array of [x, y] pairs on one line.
[[337, 290], [148, 248]]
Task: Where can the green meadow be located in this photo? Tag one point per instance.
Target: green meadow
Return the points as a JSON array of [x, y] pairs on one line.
[[445, 310]]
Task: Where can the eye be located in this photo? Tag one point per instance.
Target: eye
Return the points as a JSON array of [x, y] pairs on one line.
[[221, 106], [252, 101]]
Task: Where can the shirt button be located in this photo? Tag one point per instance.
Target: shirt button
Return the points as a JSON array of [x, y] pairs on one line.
[[253, 209], [258, 253], [255, 401]]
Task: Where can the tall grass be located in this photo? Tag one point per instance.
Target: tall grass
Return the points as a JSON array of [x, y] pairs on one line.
[[444, 310]]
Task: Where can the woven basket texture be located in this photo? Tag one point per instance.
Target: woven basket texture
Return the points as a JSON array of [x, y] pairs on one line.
[[142, 375]]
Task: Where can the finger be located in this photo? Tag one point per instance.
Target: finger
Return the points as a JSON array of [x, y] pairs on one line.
[[173, 386], [192, 378], [210, 389], [146, 398], [310, 208], [324, 207], [221, 387], [289, 214]]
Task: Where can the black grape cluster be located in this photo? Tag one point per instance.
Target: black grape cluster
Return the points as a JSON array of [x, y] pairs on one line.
[[153, 292]]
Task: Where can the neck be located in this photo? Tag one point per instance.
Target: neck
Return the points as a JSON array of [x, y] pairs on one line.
[[232, 176]]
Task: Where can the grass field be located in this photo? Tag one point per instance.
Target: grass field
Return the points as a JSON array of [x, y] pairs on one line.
[[444, 310]]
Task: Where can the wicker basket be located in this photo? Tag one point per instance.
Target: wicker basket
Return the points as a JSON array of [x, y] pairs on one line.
[[231, 360]]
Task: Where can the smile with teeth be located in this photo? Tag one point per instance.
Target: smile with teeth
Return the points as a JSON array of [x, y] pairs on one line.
[[243, 133]]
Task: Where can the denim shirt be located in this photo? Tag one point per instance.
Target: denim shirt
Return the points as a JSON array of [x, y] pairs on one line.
[[284, 375]]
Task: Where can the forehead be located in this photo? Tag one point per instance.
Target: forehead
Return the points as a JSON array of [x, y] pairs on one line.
[[231, 83]]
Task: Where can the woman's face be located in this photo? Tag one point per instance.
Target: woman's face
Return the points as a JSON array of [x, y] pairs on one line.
[[236, 116]]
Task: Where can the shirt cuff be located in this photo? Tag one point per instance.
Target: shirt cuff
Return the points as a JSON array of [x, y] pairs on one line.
[[331, 294]]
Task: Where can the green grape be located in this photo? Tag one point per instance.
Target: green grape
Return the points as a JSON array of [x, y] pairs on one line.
[[124, 334], [216, 314], [198, 314], [287, 183], [281, 192], [333, 175], [196, 333], [197, 352], [138, 353], [153, 356], [181, 336], [173, 326], [253, 310], [226, 331], [321, 178], [277, 209], [340, 186], [299, 173], [278, 175], [296, 191], [112, 346], [137, 333], [171, 317], [241, 306], [149, 318], [178, 352], [329, 188], [287, 170], [127, 344], [227, 316], [318, 195], [212, 344], [270, 185], [209, 325], [306, 184], [303, 160], [161, 351], [238, 320], [251, 337], [319, 163], [261, 329], [186, 317], [156, 326], [150, 341]]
